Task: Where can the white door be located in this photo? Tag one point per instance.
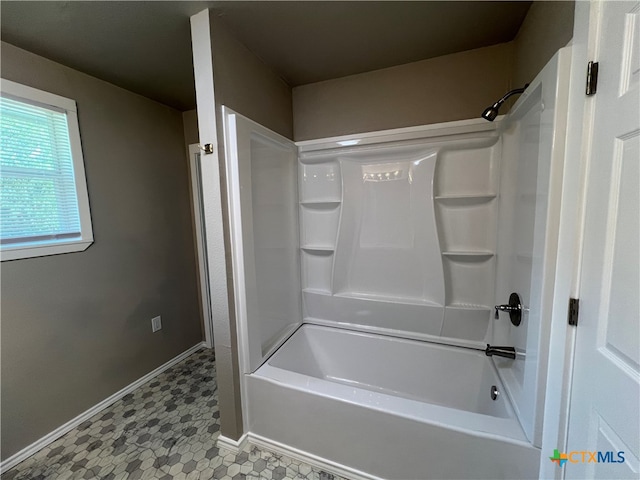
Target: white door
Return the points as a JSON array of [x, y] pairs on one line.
[[201, 240], [605, 397]]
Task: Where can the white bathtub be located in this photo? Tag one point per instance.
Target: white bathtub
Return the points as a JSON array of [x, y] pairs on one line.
[[389, 407]]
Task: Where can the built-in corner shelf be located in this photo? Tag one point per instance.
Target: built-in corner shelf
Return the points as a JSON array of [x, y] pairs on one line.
[[317, 291], [319, 224], [318, 249], [468, 255], [322, 204], [468, 306], [465, 198], [465, 192]]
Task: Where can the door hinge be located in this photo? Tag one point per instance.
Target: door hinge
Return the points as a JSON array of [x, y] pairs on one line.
[[207, 148], [592, 78], [574, 308]]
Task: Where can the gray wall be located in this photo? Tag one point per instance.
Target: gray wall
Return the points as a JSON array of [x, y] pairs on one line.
[[76, 327], [442, 89], [547, 27], [246, 84], [190, 122]]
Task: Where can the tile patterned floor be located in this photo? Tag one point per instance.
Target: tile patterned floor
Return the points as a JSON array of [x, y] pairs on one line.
[[166, 429]]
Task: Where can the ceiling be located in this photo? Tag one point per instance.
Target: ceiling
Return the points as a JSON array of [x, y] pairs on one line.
[[145, 46]]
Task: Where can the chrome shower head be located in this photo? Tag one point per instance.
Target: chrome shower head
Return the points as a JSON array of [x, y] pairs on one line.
[[490, 113]]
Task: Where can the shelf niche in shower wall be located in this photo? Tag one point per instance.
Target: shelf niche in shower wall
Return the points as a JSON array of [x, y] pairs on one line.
[[467, 172], [319, 225], [467, 224], [466, 281], [320, 182], [466, 208], [317, 266], [320, 191]]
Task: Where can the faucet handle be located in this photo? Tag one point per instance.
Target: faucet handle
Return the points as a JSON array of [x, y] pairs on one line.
[[514, 307]]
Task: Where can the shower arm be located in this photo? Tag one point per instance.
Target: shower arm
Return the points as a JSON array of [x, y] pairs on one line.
[[491, 113], [515, 91]]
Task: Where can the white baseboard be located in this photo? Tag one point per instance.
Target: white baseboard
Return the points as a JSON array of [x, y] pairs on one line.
[[309, 458], [234, 446], [25, 453]]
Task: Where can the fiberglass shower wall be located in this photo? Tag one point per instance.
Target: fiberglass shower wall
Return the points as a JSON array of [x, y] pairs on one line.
[[399, 237], [392, 235], [262, 173], [414, 233]]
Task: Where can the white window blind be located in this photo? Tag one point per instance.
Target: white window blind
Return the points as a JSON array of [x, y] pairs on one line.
[[39, 202]]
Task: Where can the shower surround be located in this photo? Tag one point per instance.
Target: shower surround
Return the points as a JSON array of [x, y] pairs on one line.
[[366, 269], [397, 239]]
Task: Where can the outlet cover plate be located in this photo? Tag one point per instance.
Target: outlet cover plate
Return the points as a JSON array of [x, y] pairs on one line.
[[156, 324]]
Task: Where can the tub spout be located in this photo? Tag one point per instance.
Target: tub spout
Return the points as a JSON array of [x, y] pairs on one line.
[[506, 352]]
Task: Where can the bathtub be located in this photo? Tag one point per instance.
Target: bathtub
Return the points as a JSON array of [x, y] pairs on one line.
[[385, 407]]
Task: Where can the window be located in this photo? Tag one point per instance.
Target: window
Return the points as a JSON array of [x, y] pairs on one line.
[[44, 206]]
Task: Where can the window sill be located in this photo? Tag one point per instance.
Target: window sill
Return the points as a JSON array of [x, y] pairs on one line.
[[32, 251]]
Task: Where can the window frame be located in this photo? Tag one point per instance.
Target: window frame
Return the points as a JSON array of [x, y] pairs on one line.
[[19, 92]]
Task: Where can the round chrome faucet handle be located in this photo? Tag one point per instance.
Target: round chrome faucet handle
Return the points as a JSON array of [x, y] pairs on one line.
[[514, 308]]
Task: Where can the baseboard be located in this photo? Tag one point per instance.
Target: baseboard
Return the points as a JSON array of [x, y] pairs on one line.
[[234, 446], [309, 458], [25, 453]]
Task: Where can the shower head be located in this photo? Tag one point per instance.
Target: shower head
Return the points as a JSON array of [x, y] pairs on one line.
[[490, 113]]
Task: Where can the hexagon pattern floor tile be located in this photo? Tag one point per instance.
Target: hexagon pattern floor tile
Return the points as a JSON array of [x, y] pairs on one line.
[[166, 429]]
